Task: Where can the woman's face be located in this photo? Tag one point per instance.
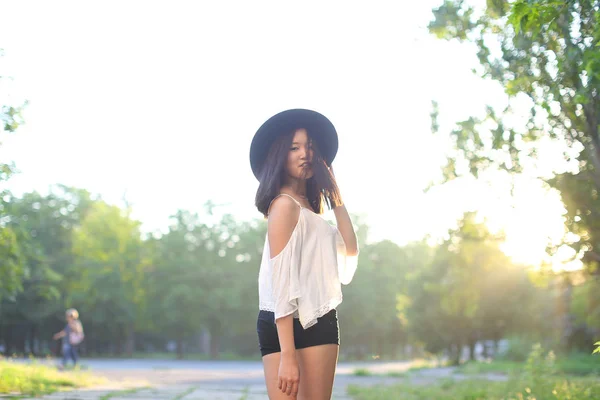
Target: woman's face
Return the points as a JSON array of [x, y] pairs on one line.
[[299, 162]]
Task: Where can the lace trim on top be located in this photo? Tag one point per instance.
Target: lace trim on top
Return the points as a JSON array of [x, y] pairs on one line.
[[318, 313]]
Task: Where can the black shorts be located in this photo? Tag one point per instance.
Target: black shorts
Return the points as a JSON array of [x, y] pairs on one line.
[[325, 331]]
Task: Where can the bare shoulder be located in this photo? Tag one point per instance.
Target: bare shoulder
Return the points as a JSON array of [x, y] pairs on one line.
[[284, 212], [283, 218]]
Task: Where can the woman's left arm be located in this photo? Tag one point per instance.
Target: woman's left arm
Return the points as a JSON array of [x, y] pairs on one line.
[[344, 225], [59, 335]]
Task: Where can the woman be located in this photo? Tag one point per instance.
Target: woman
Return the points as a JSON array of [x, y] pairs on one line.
[[305, 259], [71, 335]]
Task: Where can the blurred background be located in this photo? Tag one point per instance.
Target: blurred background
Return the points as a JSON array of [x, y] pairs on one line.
[[469, 158]]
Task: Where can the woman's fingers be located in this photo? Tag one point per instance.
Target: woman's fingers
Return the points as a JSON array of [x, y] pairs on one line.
[[289, 387], [294, 391]]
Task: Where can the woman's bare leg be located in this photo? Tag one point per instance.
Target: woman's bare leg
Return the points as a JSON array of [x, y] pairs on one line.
[[271, 368], [317, 371]]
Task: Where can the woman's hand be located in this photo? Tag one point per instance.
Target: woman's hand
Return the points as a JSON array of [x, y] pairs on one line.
[[289, 374]]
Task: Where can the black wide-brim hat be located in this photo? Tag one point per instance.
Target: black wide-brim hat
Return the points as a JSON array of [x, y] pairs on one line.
[[319, 128]]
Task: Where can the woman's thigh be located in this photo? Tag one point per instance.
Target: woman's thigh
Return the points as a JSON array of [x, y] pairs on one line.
[[317, 371], [271, 368]]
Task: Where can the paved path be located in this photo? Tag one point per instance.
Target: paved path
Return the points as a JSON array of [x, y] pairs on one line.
[[222, 380]]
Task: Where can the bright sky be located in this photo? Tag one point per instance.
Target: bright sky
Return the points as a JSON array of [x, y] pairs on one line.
[[160, 100]]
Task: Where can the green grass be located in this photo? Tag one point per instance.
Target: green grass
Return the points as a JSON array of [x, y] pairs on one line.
[[420, 364], [541, 377], [118, 393], [575, 364], [245, 394], [225, 356], [579, 364], [551, 388], [362, 372], [366, 372], [417, 365], [125, 392], [36, 379], [396, 374], [183, 394], [479, 367]]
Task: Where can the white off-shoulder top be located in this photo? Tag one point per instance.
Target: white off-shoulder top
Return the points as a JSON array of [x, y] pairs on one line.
[[305, 278]]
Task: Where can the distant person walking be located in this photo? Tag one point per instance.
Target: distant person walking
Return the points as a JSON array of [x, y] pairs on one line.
[[72, 335], [305, 259]]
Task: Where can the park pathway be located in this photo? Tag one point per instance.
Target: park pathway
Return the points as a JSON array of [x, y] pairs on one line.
[[225, 380]]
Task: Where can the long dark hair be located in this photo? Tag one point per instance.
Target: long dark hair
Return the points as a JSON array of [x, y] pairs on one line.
[[321, 188]]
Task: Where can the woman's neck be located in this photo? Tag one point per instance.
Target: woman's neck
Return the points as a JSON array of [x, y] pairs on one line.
[[296, 188]]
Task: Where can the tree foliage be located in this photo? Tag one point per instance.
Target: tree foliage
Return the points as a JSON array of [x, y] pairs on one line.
[[547, 52], [11, 254], [195, 286]]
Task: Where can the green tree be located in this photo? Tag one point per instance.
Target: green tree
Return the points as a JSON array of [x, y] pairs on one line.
[[174, 279], [11, 260], [245, 257], [10, 119], [369, 314], [110, 263], [545, 51], [229, 273], [205, 279], [32, 219], [453, 300], [11, 264], [586, 310], [43, 227]]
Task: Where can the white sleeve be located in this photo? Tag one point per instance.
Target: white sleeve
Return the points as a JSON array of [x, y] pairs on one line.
[[285, 279], [346, 264]]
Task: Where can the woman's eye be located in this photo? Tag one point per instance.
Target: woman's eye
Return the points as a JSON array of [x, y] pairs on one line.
[[294, 148]]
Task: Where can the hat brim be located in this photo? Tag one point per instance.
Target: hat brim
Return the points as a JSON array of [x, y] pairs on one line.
[[319, 127]]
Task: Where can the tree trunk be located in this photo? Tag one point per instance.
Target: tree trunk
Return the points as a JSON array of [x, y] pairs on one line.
[[8, 340], [21, 337], [472, 350], [215, 339], [90, 340], [32, 334], [360, 354], [455, 353], [394, 352], [179, 347], [119, 343], [565, 321], [485, 351], [379, 347], [215, 342], [130, 340]]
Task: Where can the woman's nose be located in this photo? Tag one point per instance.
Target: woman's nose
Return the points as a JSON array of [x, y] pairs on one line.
[[306, 153]]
